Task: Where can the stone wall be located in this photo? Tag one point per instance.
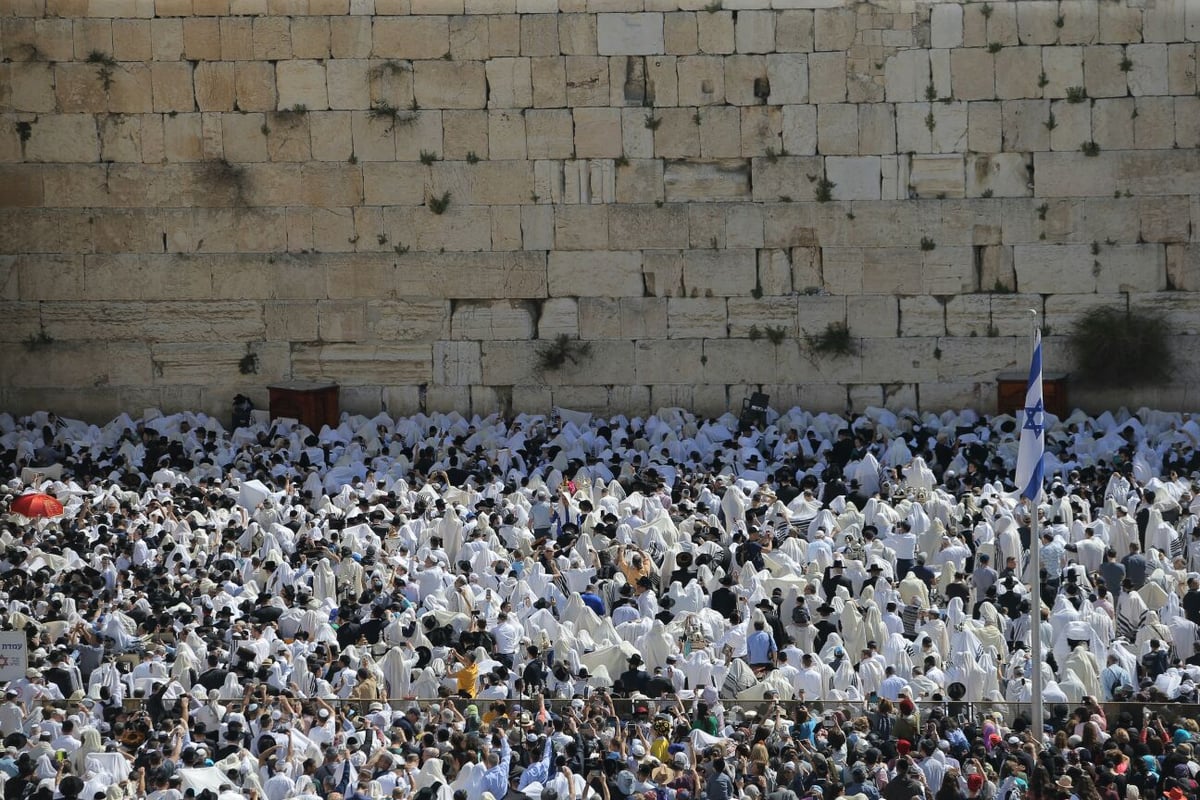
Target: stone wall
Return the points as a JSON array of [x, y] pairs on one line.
[[415, 197]]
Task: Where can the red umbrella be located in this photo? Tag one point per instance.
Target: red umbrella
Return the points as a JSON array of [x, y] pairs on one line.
[[37, 505]]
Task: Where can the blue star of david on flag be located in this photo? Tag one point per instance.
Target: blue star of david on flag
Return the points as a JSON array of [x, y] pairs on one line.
[[1031, 454]]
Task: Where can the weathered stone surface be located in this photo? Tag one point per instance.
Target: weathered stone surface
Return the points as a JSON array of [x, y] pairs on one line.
[[707, 181], [596, 274]]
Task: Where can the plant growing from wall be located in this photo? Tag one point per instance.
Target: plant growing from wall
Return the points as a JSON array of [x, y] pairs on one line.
[[386, 112], [230, 177], [1090, 149], [438, 205], [38, 341], [105, 64], [1119, 347], [1076, 94], [556, 353], [248, 364], [835, 341]]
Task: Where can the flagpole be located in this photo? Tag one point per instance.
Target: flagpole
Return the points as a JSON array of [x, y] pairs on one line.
[[1037, 712]]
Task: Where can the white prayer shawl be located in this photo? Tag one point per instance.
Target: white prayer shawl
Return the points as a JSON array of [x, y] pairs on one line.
[[1082, 664]]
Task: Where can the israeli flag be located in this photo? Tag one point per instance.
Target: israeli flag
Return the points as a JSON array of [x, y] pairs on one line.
[[1030, 456]]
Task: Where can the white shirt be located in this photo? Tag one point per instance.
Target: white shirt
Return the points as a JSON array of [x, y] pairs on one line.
[[508, 638]]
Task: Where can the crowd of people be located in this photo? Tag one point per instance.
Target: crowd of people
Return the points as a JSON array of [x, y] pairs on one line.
[[571, 607]]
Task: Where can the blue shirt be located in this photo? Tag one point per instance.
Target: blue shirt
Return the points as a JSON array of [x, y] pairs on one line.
[[495, 780], [759, 646], [593, 602], [538, 772]]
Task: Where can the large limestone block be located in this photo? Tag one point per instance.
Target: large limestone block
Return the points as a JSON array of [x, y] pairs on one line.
[[755, 32], [1046, 269], [913, 134], [937, 176], [835, 28], [461, 228], [1072, 125], [906, 75], [1163, 219], [510, 83], [774, 313], [707, 181], [549, 133], [794, 31], [1179, 310], [364, 364], [1156, 172], [341, 320], [701, 80], [1025, 125], [457, 363], [743, 360], [892, 270], [1002, 174], [891, 360], [715, 32], [1112, 123], [158, 322], [791, 177], [762, 130], [485, 183], [854, 178], [583, 227], [946, 25], [64, 138], [1074, 174], [1036, 22], [1017, 72], [622, 318], [980, 358], [1148, 73], [587, 81], [506, 137], [1181, 69], [697, 318], [950, 124], [669, 361], [873, 315], [630, 34], [502, 319], [876, 128], [597, 132], [787, 74], [800, 130], [827, 77], [1102, 72], [1154, 124], [921, 315], [254, 83], [640, 226], [1131, 268], [559, 316], [743, 227], [595, 274], [411, 37], [1164, 21], [1063, 68], [719, 273], [1081, 22], [837, 129], [720, 131], [450, 84], [406, 320], [301, 83], [972, 73]]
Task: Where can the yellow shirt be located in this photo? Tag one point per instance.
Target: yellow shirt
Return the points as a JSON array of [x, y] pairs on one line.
[[467, 676]]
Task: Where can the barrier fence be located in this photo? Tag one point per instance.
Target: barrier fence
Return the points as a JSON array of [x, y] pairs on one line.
[[1118, 714]]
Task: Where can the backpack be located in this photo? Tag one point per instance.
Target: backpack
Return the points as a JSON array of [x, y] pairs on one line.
[[428, 793]]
